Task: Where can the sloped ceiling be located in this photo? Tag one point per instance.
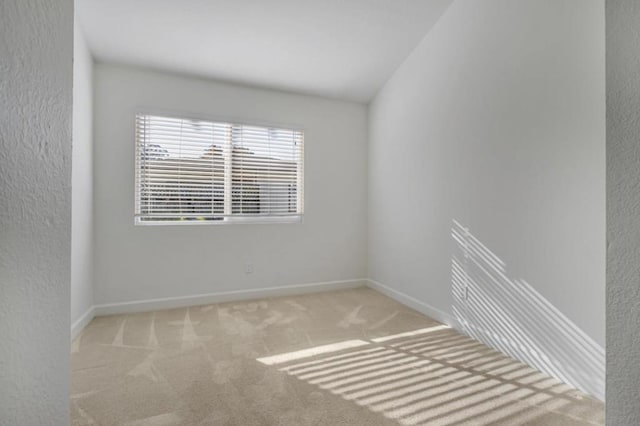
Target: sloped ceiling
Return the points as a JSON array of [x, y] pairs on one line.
[[336, 48]]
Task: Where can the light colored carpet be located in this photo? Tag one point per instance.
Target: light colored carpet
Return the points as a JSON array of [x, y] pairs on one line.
[[350, 357]]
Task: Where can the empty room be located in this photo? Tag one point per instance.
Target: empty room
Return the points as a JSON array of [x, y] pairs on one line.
[[296, 212]]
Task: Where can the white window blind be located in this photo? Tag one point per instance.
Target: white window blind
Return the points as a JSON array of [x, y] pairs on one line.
[[196, 171]]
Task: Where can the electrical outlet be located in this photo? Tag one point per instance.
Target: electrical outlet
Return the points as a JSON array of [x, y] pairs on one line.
[[248, 268]]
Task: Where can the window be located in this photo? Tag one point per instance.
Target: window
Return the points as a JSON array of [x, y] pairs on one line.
[[195, 171]]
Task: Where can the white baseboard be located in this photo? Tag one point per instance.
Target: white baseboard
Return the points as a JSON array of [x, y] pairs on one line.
[[414, 303], [227, 296], [82, 322]]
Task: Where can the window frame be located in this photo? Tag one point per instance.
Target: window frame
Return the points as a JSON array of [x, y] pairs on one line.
[[234, 219]]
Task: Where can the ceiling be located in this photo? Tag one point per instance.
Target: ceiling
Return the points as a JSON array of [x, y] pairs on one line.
[[336, 48]]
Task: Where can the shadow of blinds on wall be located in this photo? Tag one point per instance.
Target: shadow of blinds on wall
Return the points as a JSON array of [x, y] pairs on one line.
[[196, 171], [512, 316]]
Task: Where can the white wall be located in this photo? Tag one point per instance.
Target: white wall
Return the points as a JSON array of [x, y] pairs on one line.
[[36, 39], [146, 262], [623, 212], [82, 182], [496, 121]]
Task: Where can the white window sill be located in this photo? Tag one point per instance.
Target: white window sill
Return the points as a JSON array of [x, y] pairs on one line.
[[238, 220]]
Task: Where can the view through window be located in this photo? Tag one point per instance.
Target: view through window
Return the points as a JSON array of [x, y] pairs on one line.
[[199, 171]]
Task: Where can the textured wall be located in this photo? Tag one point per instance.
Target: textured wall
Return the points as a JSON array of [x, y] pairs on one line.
[[82, 180], [145, 262], [497, 121], [623, 212], [36, 39]]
